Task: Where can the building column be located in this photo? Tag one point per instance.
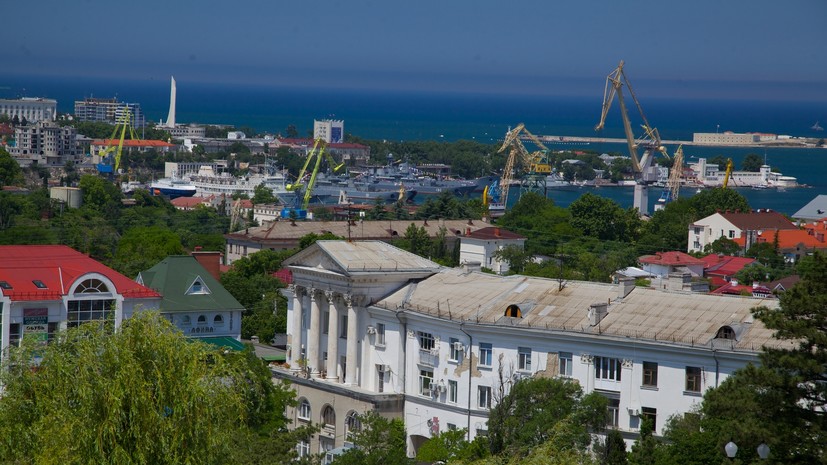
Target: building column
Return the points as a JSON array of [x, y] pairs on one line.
[[296, 331], [352, 340], [313, 335], [332, 337]]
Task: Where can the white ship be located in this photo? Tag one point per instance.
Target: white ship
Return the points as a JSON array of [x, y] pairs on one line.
[[207, 182], [710, 176]]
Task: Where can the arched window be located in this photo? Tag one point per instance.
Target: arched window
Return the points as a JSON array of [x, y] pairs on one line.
[[218, 320], [726, 332], [304, 410], [328, 417], [202, 320], [186, 320], [352, 425], [513, 311], [91, 286]]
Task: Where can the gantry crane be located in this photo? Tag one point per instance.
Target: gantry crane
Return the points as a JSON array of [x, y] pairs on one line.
[[111, 156], [318, 152], [535, 164], [645, 173]]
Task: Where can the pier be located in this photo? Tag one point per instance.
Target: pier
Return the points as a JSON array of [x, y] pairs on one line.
[[577, 140]]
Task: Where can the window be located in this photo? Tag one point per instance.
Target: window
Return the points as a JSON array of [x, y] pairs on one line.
[[484, 396], [513, 311], [565, 364], [525, 358], [452, 391], [326, 449], [697, 230], [380, 334], [650, 374], [82, 311], [649, 414], [426, 377], [198, 287], [14, 334], [613, 412], [218, 320], [455, 352], [303, 448], [693, 379], [186, 320], [39, 284], [325, 322], [607, 368], [452, 427], [426, 340], [731, 234], [328, 417], [343, 327], [352, 425], [5, 285], [726, 332], [304, 410], [202, 320], [485, 354]]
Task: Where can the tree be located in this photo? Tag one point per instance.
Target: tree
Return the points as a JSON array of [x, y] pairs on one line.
[[615, 449], [604, 219], [291, 131], [142, 394], [644, 450], [752, 162], [516, 257], [379, 442], [445, 446], [527, 415], [10, 172], [100, 195], [263, 195], [419, 242], [709, 201], [723, 245], [142, 247]]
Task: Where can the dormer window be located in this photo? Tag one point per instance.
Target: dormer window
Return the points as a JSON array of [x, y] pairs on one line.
[[91, 286], [198, 287], [5, 285], [39, 284], [513, 311], [726, 332]]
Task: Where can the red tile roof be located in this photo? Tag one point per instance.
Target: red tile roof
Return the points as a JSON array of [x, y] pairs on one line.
[[133, 143], [494, 233], [670, 259], [740, 289], [57, 267], [791, 239], [724, 265]]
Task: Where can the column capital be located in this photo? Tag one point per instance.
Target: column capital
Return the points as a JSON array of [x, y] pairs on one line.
[[311, 291], [329, 295], [348, 298]]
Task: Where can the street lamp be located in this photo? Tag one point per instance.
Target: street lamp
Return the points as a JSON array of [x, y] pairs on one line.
[[763, 451], [731, 450]]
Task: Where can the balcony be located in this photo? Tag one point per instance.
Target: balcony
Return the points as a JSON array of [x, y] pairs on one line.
[[428, 358]]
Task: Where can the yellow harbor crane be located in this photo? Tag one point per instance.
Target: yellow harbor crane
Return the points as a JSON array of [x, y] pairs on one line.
[[111, 156], [535, 164], [728, 173], [317, 153], [673, 185], [650, 141]]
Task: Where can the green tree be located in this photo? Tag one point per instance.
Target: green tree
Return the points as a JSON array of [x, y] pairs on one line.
[[142, 247], [645, 449], [709, 201], [723, 245], [309, 239], [10, 172], [100, 194], [615, 449], [604, 219], [516, 257], [263, 195], [445, 446], [419, 242], [752, 162], [142, 394], [379, 442]]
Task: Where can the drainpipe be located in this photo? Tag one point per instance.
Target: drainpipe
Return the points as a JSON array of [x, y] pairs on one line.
[[470, 345], [715, 356], [404, 346]]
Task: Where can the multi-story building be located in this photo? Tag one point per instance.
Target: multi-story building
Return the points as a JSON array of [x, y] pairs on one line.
[[32, 109], [370, 323], [481, 246], [329, 130], [46, 288], [734, 224], [45, 143], [108, 110]]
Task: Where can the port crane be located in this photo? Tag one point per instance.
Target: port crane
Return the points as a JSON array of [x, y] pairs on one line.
[[727, 173], [111, 156], [673, 185], [304, 191], [645, 172], [536, 165]]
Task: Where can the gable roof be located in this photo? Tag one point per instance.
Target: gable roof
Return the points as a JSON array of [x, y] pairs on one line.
[[815, 209], [58, 267], [174, 275], [362, 257], [758, 219], [724, 265], [670, 259], [790, 239]]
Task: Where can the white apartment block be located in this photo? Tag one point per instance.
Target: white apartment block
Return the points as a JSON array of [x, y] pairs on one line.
[[734, 224], [330, 131], [109, 110], [45, 143], [372, 326], [33, 109]]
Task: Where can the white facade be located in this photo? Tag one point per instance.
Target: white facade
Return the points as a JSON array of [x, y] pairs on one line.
[[362, 318], [330, 131], [33, 109], [45, 143], [725, 138], [707, 230], [481, 247]]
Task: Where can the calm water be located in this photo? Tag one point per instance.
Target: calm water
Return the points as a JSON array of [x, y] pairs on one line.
[[484, 118]]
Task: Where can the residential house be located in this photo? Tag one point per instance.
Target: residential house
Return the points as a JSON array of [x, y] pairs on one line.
[[720, 269], [663, 263], [733, 225], [480, 246], [791, 243]]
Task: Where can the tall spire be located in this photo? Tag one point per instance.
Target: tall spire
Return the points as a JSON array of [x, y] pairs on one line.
[[171, 117]]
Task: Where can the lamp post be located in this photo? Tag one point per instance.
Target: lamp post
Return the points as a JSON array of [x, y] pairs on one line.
[[731, 450]]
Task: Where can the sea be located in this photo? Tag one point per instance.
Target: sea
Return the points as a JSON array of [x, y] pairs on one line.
[[414, 116]]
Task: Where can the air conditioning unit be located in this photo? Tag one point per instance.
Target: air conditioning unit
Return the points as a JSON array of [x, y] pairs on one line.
[[634, 410], [442, 387], [371, 330], [459, 347]]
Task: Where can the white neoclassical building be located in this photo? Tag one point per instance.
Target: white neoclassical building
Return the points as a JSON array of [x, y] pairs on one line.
[[374, 327]]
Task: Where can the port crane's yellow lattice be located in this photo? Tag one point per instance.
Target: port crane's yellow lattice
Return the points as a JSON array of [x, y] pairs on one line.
[[534, 164], [116, 150]]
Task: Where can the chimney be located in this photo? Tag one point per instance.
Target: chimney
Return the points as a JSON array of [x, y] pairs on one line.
[[755, 284], [210, 260], [467, 231], [625, 285], [469, 221], [468, 267], [497, 232], [597, 312]]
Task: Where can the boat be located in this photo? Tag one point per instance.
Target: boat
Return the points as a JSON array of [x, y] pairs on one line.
[[816, 127], [207, 182], [555, 181], [393, 176], [347, 189], [173, 187]]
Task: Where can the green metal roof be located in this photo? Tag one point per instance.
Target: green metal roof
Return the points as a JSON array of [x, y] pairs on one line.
[[222, 342], [173, 277]]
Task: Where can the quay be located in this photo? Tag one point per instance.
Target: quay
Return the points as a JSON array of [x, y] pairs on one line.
[[577, 140]]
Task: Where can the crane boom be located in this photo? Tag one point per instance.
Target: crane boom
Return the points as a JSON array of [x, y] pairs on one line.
[[728, 172]]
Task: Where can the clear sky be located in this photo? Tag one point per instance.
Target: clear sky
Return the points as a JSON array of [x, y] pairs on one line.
[[689, 48]]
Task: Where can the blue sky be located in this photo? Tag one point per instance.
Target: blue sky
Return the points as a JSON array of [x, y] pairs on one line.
[[698, 48]]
